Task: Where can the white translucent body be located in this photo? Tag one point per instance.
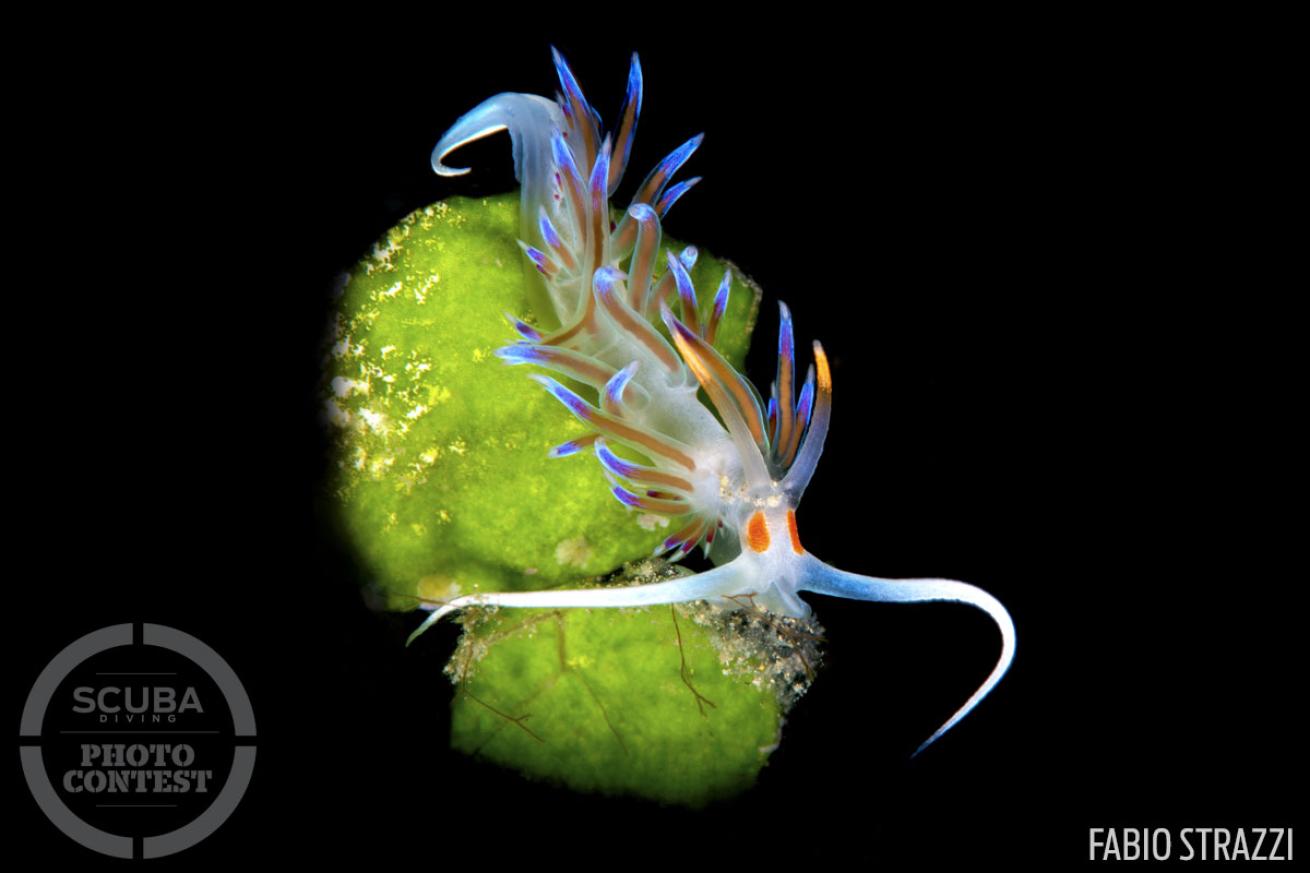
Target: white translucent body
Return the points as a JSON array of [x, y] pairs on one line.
[[747, 493]]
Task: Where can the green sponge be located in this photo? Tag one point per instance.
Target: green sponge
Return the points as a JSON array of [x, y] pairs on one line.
[[680, 704], [441, 481], [441, 472]]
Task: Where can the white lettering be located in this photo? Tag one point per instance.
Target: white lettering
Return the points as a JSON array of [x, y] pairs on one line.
[[1132, 845], [1240, 851], [1278, 841], [1221, 845], [1092, 842]]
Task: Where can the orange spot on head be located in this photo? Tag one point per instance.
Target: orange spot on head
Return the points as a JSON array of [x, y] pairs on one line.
[[795, 535], [757, 532]]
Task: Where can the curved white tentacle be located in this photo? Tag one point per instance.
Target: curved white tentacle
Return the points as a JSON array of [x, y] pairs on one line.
[[721, 478], [528, 118], [530, 121], [838, 583], [719, 582]]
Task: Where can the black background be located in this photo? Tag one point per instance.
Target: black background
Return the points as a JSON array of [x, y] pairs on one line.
[[1044, 256]]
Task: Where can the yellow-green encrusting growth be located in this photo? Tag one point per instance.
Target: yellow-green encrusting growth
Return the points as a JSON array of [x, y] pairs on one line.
[[442, 483], [680, 704], [441, 472]]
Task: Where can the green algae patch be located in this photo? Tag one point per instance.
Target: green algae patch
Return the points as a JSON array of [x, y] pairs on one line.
[[442, 482], [441, 476], [680, 704]]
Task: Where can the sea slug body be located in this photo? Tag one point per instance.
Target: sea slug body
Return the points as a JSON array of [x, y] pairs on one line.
[[729, 484]]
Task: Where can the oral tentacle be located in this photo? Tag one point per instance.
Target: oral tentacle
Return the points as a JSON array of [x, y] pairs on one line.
[[825, 579], [713, 584]]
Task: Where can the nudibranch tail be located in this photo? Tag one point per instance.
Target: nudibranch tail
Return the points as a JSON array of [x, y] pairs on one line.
[[730, 483], [527, 118]]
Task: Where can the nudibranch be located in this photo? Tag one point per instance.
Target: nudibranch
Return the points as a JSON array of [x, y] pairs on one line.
[[732, 483]]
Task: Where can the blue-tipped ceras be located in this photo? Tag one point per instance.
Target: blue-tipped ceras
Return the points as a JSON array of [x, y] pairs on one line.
[[734, 481]]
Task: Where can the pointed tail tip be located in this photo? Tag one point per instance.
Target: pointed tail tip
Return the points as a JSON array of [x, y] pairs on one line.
[[450, 172]]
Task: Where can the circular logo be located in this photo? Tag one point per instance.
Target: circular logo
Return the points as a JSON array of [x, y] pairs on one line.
[[137, 740]]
